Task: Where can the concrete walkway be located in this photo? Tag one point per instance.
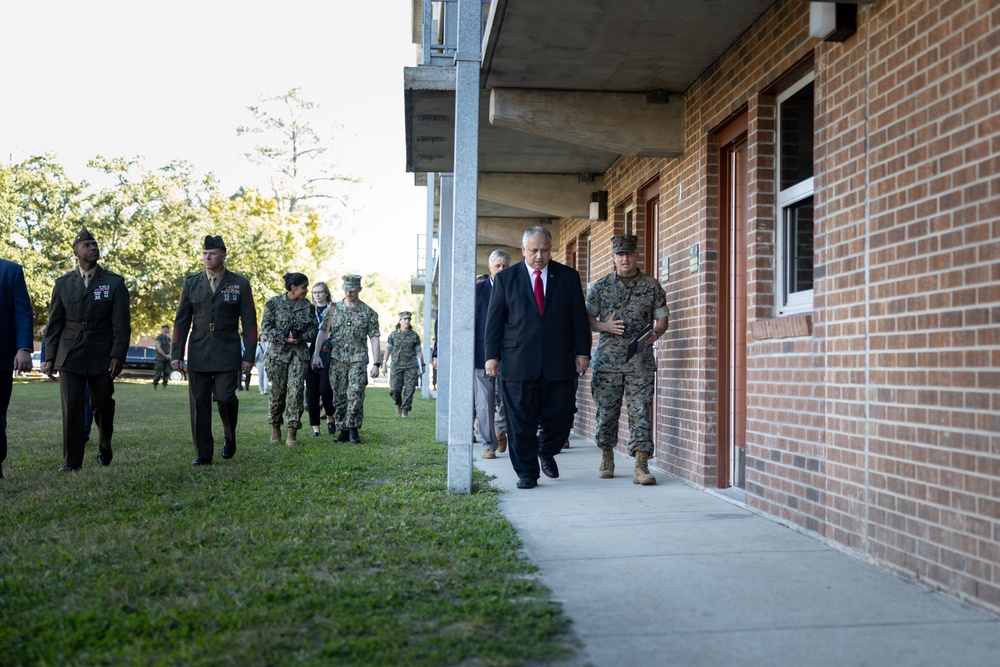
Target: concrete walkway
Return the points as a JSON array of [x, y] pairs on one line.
[[675, 575]]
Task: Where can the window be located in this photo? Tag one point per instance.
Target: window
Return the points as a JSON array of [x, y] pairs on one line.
[[795, 228]]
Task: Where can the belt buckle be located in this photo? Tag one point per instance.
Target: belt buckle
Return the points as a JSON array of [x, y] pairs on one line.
[[211, 326], [83, 326]]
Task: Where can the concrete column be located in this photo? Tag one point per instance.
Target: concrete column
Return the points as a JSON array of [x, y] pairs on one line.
[[425, 390], [464, 244], [445, 230]]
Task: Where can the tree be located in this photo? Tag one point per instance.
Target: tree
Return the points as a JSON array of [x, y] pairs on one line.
[[40, 209], [290, 147]]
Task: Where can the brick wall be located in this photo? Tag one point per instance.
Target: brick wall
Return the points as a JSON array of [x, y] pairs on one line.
[[875, 420]]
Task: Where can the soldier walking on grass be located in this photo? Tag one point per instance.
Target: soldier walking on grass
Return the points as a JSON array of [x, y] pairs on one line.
[[214, 305], [161, 367], [619, 306]]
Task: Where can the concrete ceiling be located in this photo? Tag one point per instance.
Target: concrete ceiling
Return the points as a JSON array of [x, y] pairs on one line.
[[625, 46]]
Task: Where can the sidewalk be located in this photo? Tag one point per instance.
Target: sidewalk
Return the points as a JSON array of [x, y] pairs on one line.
[[674, 575]]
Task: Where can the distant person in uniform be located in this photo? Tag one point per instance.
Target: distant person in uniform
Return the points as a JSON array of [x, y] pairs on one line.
[[17, 338], [86, 340], [619, 305], [161, 367], [289, 324], [352, 326], [403, 351], [214, 306]]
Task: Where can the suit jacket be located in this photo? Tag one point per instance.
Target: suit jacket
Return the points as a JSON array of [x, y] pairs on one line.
[[17, 320], [529, 345], [214, 321], [88, 325], [483, 291]]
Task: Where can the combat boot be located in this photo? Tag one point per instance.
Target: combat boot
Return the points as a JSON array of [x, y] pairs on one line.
[[641, 474], [399, 411], [404, 413], [344, 436], [607, 469], [275, 433], [291, 440]]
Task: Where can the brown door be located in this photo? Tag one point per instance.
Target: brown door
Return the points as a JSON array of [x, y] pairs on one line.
[[732, 362], [651, 267]]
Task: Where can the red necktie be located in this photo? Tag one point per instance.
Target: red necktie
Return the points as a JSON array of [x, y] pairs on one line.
[[539, 292]]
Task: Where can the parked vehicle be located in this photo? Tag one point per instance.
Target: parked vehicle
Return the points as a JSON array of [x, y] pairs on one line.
[[140, 357]]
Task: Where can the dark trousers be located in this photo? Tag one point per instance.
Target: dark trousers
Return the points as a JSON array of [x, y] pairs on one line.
[[318, 391], [6, 387], [539, 418], [73, 391], [202, 387]]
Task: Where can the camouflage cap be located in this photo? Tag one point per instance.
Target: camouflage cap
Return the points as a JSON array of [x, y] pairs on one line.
[[352, 281], [214, 243], [406, 315], [623, 243], [84, 235]]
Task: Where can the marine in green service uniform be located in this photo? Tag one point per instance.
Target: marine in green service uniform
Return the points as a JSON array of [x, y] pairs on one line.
[[161, 365], [402, 351], [215, 306], [289, 324], [619, 305], [352, 326]]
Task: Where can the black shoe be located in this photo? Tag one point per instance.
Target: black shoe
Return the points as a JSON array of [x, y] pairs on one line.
[[68, 468], [1, 471], [549, 467], [202, 462], [344, 435], [104, 456], [526, 483], [315, 434], [228, 449], [329, 428], [154, 386], [354, 437]]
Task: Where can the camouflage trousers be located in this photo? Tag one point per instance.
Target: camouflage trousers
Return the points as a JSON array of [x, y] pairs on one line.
[[608, 389], [348, 380], [402, 384], [287, 381], [161, 371]]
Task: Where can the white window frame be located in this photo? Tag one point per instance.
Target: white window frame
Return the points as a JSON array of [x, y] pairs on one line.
[[795, 302]]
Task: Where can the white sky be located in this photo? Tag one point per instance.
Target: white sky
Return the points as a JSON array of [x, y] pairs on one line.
[[172, 80]]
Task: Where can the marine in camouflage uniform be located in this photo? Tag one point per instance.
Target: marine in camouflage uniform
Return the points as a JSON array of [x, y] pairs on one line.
[[350, 325], [620, 305], [286, 363], [161, 365], [403, 350]]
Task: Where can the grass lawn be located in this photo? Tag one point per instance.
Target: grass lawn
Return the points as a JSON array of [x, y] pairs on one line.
[[322, 554]]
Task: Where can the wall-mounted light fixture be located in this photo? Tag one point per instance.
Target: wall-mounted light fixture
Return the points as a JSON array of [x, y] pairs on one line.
[[599, 205], [833, 21]]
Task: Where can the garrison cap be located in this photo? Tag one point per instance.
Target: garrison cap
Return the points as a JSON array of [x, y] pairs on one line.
[[406, 315], [84, 235], [214, 243], [352, 281], [623, 243]]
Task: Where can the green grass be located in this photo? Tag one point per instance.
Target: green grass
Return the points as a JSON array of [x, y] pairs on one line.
[[322, 554]]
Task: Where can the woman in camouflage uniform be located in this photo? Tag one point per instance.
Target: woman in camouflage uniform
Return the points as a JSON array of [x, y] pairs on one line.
[[403, 350], [289, 324]]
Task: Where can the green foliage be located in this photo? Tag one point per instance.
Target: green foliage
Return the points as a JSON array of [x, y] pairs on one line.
[[322, 554]]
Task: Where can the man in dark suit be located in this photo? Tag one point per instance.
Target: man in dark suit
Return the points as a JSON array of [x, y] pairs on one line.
[[215, 304], [538, 343], [87, 340], [17, 338], [485, 386]]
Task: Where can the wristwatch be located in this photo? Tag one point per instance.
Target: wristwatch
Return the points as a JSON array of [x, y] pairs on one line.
[[377, 363]]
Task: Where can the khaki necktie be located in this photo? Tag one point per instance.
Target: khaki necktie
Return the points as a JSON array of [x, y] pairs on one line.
[[213, 281], [86, 279]]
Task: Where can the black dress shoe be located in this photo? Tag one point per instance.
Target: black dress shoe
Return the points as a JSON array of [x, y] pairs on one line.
[[526, 483], [104, 456], [549, 467], [202, 462], [344, 435], [329, 428], [354, 437], [228, 449], [68, 468]]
